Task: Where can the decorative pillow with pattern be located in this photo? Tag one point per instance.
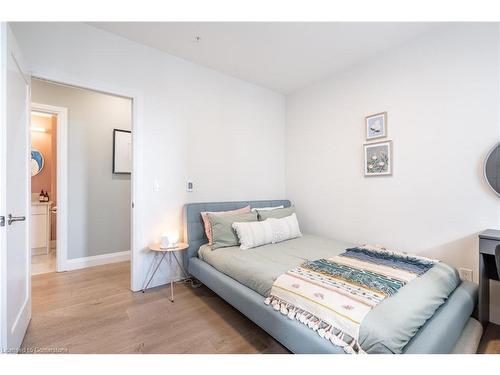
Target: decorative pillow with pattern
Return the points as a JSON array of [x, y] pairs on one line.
[[253, 234]]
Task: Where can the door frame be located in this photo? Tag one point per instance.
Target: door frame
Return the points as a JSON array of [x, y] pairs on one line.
[[136, 180], [3, 176], [62, 181]]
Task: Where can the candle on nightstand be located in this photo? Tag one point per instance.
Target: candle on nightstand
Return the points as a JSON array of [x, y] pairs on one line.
[[169, 240], [165, 243], [173, 237]]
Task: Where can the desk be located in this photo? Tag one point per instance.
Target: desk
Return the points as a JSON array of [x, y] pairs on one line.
[[489, 261]]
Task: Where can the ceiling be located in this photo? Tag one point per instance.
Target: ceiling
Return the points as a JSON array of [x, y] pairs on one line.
[[281, 56]]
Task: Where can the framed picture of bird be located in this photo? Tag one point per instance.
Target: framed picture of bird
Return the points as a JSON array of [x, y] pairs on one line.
[[376, 126]]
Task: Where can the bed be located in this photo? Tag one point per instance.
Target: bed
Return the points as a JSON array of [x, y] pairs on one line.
[[450, 330]]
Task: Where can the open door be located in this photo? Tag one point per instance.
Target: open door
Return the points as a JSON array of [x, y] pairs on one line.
[[15, 197]]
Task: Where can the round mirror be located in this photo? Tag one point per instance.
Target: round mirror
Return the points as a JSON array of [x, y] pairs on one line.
[[36, 162], [492, 168]]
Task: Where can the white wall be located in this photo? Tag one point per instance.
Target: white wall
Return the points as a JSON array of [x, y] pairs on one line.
[[441, 92], [98, 200], [224, 134]]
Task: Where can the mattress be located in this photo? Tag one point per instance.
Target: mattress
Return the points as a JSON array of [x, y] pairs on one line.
[[258, 268], [386, 329]]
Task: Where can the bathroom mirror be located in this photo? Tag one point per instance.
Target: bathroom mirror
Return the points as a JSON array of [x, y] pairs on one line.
[[492, 168], [36, 162]]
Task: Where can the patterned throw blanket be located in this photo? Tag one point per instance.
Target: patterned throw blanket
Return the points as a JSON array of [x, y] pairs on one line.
[[332, 296]]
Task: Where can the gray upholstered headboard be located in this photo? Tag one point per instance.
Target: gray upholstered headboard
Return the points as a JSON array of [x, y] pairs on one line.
[[194, 232]]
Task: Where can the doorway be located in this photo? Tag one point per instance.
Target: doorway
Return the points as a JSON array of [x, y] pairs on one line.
[[92, 210], [43, 131]]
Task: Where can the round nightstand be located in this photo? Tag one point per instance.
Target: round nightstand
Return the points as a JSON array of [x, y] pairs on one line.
[[157, 249], [180, 246]]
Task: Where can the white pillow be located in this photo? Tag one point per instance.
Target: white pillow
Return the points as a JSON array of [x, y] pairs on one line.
[[266, 208], [254, 233], [258, 233], [285, 228]]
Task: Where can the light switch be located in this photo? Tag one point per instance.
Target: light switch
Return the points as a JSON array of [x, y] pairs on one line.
[[156, 186], [189, 186]]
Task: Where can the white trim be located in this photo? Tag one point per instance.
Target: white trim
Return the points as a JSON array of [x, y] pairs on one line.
[[137, 181], [62, 181], [3, 175], [97, 260], [24, 318]]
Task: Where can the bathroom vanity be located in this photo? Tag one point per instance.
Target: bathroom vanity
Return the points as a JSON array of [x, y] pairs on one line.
[[40, 227]]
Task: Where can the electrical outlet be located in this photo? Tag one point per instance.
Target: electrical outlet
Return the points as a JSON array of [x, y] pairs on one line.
[[465, 274], [156, 186]]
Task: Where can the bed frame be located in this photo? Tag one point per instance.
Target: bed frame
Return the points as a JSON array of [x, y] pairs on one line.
[[450, 330]]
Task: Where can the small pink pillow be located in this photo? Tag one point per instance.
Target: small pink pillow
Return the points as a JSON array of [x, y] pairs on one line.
[[206, 222]]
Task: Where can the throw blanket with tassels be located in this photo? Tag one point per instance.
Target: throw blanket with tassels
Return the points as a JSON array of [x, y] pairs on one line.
[[332, 296]]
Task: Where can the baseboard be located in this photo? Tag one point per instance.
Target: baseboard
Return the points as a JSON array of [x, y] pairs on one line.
[[96, 260]]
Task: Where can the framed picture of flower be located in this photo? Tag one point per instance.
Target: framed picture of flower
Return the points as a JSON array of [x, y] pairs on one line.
[[376, 126], [378, 159]]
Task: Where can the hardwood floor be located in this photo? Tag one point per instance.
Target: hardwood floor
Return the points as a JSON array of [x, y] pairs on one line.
[[490, 342], [43, 263], [93, 311]]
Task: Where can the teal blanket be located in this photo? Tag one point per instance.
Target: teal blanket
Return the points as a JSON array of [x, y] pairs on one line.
[[385, 329]]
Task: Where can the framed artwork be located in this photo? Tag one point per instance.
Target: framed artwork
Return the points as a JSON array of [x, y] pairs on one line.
[[376, 126], [122, 151], [378, 159], [37, 162]]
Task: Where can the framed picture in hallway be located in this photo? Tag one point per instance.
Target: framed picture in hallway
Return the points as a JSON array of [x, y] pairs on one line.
[[122, 151], [378, 159], [376, 126]]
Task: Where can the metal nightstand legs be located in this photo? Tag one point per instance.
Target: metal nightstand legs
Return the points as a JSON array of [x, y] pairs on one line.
[[144, 287], [171, 253]]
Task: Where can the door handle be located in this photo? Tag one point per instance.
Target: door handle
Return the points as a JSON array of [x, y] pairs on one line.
[[11, 219]]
